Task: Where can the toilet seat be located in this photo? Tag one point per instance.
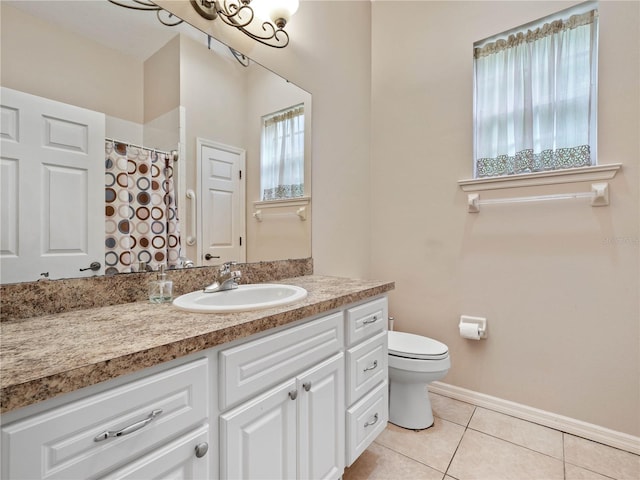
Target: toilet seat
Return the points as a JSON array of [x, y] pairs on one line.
[[408, 345]]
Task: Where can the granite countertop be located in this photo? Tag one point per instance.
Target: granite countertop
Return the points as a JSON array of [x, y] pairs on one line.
[[42, 357]]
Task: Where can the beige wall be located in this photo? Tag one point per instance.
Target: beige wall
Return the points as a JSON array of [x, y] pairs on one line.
[[43, 60], [212, 92], [284, 236], [162, 81], [558, 282], [329, 56]]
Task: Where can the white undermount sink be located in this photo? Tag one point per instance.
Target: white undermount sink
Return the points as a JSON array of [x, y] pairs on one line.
[[242, 299]]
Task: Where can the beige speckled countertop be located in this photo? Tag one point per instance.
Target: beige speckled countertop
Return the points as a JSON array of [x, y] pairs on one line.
[[43, 357]]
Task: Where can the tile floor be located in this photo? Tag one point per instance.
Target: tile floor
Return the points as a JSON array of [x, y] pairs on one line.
[[469, 442]]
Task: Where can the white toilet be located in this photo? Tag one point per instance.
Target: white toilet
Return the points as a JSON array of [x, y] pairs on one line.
[[414, 362]]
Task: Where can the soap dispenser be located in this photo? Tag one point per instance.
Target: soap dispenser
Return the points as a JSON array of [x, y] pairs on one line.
[[161, 289]]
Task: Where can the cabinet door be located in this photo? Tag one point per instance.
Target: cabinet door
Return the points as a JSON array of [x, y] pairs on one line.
[[321, 431], [258, 438], [177, 460]]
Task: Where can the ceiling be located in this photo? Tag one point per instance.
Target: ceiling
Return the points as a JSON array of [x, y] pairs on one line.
[[140, 35]]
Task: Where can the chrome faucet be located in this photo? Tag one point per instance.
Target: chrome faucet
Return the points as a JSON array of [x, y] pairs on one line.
[[226, 279]]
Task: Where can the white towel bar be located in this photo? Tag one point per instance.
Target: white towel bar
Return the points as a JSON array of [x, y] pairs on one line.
[[300, 213], [599, 196]]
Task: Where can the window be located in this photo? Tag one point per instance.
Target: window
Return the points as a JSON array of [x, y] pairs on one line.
[[535, 96], [282, 154]]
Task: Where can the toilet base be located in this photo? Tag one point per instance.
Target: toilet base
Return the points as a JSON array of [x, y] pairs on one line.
[[409, 405]]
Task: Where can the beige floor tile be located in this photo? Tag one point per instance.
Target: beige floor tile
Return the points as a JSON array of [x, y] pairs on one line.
[[600, 458], [571, 472], [433, 446], [378, 462], [482, 457], [449, 409], [526, 434]]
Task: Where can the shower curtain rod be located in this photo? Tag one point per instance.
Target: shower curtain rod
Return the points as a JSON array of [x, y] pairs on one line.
[[173, 153]]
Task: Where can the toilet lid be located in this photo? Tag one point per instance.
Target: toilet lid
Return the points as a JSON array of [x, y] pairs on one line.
[[408, 345]]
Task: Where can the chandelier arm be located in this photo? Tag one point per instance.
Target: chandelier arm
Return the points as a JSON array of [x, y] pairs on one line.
[[231, 14], [240, 57], [168, 22], [141, 5], [277, 36]]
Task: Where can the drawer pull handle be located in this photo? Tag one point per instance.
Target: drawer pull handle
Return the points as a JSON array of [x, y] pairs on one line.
[[373, 366], [306, 386], [372, 422], [293, 394], [130, 429], [374, 319], [202, 449]]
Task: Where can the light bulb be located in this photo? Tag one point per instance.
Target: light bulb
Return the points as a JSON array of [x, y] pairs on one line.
[[278, 11]]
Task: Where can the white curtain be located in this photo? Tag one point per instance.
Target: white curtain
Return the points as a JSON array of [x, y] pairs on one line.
[[535, 99], [282, 155]]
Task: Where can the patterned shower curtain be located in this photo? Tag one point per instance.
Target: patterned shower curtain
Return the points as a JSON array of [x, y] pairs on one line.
[[141, 213]]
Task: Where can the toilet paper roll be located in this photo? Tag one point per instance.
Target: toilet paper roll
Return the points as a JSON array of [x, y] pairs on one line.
[[470, 331]]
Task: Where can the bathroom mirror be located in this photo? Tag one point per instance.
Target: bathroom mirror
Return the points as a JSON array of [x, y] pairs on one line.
[[168, 88]]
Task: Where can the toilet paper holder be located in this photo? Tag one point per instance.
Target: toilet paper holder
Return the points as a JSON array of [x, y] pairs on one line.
[[479, 322]]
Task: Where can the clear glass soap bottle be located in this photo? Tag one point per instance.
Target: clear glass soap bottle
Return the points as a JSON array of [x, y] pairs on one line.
[[161, 289]]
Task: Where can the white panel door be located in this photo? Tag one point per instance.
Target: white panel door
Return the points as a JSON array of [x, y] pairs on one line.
[[321, 430], [52, 169], [222, 204], [258, 438]]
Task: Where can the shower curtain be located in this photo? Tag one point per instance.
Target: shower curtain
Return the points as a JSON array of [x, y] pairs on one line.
[[141, 213]]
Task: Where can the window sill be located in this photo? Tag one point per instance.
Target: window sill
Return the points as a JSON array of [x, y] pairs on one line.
[[285, 202], [570, 175]]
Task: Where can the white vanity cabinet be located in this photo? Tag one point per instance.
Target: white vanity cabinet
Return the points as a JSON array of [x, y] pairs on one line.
[[119, 433], [298, 402], [296, 428], [367, 375]]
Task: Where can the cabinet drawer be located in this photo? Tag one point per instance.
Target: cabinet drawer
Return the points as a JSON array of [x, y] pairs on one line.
[[366, 366], [249, 368], [366, 320], [68, 441], [366, 420], [177, 459]]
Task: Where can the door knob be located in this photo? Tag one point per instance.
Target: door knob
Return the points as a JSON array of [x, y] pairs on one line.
[[95, 266], [208, 256]]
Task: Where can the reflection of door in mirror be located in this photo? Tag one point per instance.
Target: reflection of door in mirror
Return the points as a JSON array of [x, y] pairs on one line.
[[52, 189], [221, 209]]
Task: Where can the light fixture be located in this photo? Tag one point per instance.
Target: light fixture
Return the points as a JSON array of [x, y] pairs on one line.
[[148, 5], [271, 15]]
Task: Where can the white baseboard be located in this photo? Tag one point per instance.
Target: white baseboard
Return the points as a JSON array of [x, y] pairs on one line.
[[572, 426]]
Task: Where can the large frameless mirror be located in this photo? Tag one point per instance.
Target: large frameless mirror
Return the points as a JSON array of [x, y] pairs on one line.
[[112, 108]]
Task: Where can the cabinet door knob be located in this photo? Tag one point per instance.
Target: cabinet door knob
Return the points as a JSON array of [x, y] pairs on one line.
[[372, 422], [306, 386], [373, 366], [293, 394], [202, 449]]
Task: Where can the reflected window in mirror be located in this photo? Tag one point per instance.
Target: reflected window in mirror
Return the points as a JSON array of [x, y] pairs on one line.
[[536, 95], [282, 154]]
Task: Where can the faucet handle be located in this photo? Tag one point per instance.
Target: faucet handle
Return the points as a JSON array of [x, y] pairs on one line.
[[226, 267]]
